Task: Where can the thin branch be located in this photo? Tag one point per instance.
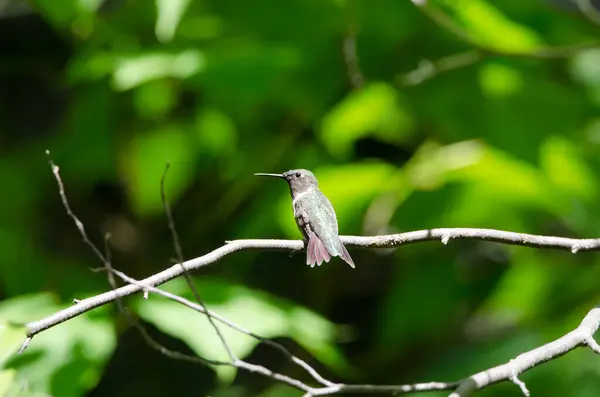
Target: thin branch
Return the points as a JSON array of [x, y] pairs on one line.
[[445, 22], [392, 389], [65, 202], [188, 279], [428, 69], [330, 387], [388, 241], [201, 307], [588, 9], [355, 75], [106, 261], [583, 335], [230, 324]]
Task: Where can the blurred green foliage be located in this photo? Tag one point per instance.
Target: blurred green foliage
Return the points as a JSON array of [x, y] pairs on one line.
[[115, 89]]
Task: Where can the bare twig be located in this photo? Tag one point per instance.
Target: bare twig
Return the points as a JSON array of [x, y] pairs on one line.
[[65, 202], [106, 261], [583, 335], [201, 307], [329, 387], [428, 69], [355, 75], [188, 279], [448, 24]]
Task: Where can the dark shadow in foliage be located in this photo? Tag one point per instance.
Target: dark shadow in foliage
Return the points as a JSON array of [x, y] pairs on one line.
[[136, 369]]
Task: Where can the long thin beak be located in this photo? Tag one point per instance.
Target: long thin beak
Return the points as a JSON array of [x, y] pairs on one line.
[[272, 175]]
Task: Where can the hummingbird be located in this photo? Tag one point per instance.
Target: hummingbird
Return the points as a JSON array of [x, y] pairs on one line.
[[315, 218]]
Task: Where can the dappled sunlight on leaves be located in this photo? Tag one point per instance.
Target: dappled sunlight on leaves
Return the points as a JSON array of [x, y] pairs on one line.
[[132, 71], [373, 110], [145, 161], [490, 27], [87, 341], [256, 311]]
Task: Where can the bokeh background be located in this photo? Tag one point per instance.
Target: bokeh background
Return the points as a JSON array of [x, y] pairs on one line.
[[351, 89]]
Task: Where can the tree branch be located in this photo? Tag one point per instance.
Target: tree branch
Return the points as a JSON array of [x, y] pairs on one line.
[[583, 335], [389, 241], [428, 69]]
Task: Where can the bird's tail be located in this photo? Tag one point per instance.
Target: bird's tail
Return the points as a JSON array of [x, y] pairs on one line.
[[345, 255], [316, 252]]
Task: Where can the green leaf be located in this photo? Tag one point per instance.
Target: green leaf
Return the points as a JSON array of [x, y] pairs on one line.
[[216, 132], [11, 336], [499, 80], [59, 12], [83, 343], [7, 381], [521, 292], [487, 25], [375, 110], [155, 99], [169, 15], [564, 165], [145, 162], [132, 71], [506, 179], [584, 67]]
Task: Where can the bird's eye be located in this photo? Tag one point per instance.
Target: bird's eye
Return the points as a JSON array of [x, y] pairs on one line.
[[298, 175]]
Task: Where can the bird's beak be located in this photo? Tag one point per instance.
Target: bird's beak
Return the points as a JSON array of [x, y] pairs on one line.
[[272, 175]]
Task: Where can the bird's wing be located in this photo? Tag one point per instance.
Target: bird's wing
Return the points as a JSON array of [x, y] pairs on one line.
[[321, 220]]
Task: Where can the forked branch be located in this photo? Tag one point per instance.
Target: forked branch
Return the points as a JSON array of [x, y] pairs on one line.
[[581, 336]]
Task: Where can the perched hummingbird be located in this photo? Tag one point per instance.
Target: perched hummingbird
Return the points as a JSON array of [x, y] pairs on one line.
[[315, 218]]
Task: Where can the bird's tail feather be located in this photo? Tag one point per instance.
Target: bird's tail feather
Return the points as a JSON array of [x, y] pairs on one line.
[[345, 255], [316, 253]]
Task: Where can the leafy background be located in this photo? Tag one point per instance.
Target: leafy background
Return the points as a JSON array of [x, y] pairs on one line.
[[223, 89]]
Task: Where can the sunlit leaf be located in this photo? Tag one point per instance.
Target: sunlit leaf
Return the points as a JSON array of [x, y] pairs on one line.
[[489, 26], [520, 294], [201, 27], [375, 110], [566, 168], [155, 99], [59, 12], [169, 15], [145, 161], [432, 163], [506, 178], [7, 378], [217, 133], [11, 336], [83, 343], [498, 80], [257, 311], [585, 67], [135, 70]]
